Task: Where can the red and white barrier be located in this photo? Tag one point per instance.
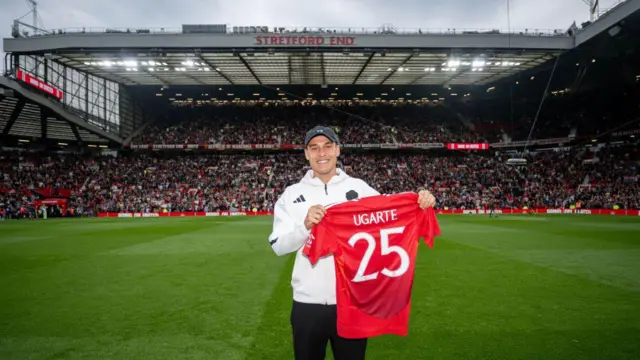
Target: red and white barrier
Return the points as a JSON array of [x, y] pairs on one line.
[[452, 212], [546, 211], [183, 213]]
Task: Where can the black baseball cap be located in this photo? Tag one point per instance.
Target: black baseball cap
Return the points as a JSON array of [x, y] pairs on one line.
[[321, 131]]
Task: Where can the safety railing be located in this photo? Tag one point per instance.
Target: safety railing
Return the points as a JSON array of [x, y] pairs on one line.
[[226, 29]]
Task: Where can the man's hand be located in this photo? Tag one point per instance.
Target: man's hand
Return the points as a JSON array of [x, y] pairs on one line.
[[426, 199], [314, 215]]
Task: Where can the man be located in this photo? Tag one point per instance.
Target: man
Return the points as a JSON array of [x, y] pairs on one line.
[[492, 211], [302, 205]]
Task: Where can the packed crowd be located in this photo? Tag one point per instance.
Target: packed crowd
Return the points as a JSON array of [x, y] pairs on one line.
[[145, 182], [493, 119], [592, 113], [287, 125]]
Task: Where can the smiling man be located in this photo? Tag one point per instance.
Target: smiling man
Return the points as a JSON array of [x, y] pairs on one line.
[[301, 206]]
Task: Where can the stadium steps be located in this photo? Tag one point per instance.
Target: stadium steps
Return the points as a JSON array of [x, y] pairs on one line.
[[6, 108], [28, 122]]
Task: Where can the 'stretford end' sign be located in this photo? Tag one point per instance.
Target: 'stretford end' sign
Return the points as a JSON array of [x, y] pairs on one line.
[[305, 40]]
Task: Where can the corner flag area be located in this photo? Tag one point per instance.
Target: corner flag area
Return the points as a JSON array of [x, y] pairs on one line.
[[515, 287]]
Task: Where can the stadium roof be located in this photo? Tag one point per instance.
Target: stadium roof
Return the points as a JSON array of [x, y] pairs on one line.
[[262, 56], [259, 55], [279, 68]]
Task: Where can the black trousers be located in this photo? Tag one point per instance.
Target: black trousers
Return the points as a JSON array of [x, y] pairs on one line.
[[315, 325]]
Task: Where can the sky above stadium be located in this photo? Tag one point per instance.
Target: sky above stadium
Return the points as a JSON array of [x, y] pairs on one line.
[[403, 14]]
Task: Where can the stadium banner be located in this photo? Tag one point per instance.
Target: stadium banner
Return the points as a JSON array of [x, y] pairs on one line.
[[520, 143], [610, 212], [440, 211], [291, 146], [450, 146], [183, 213], [282, 146], [210, 146], [37, 83], [626, 132], [467, 146], [421, 145], [304, 40], [553, 141], [513, 144]]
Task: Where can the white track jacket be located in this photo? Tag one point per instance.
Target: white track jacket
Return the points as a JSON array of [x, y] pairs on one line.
[[311, 284]]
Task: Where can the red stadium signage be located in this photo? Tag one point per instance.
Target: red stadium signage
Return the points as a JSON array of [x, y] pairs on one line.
[[420, 145], [281, 146], [466, 146], [37, 83], [450, 212], [206, 146], [304, 40], [184, 213], [53, 201]]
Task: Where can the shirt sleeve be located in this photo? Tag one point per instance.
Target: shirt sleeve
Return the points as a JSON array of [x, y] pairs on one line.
[[287, 235], [429, 227], [367, 190], [319, 244]]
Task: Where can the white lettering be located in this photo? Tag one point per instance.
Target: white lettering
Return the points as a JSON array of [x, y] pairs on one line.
[[378, 217], [386, 249]]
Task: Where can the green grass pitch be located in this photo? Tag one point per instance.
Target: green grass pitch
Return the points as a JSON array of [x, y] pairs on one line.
[[516, 287]]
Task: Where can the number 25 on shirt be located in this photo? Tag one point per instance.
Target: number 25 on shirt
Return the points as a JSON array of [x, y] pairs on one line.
[[374, 242]]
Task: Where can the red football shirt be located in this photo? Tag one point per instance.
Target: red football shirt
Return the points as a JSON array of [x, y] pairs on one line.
[[374, 242]]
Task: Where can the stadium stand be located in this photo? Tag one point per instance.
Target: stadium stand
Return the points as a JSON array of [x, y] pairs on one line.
[[597, 176], [153, 182], [167, 123], [287, 124]]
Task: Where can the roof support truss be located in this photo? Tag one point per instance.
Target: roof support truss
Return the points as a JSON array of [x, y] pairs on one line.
[[393, 71], [214, 67], [74, 129], [364, 67], [246, 64]]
